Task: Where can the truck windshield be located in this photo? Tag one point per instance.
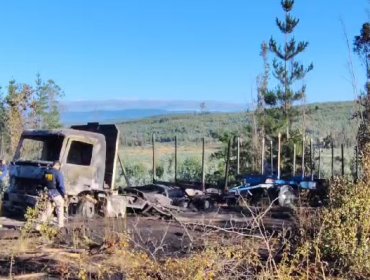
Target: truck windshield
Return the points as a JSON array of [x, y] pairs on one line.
[[41, 148]]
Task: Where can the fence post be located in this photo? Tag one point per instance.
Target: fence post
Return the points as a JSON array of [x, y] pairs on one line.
[[203, 168], [294, 158], [311, 158], [279, 151], [227, 165], [154, 167], [2, 145], [238, 157], [342, 154], [176, 159], [319, 163], [263, 157], [271, 158], [303, 151], [356, 172], [332, 159]]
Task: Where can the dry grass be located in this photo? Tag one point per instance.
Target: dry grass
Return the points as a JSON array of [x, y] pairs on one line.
[[327, 243], [144, 154]]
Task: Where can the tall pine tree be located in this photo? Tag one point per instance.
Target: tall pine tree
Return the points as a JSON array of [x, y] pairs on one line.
[[288, 71]]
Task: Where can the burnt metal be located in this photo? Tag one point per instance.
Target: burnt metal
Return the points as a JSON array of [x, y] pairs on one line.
[[88, 156]]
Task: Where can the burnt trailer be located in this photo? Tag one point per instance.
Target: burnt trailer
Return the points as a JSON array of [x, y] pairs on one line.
[[88, 155]]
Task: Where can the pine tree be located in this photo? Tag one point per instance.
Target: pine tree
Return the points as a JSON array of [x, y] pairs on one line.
[[39, 103], [46, 104], [287, 70], [362, 49]]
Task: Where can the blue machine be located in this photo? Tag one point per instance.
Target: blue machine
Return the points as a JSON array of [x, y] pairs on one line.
[[253, 185]]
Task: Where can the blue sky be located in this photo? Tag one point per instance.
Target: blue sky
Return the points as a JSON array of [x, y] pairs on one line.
[[172, 49]]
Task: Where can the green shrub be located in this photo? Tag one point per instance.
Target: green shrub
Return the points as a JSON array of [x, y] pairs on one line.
[[138, 174], [190, 170]]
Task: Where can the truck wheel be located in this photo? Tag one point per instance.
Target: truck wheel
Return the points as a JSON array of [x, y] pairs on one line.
[[86, 209]]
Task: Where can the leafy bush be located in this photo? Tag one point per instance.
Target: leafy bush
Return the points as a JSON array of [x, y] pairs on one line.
[[137, 174], [190, 170], [344, 238]]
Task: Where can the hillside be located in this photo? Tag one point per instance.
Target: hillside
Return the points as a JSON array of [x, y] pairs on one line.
[[322, 119]]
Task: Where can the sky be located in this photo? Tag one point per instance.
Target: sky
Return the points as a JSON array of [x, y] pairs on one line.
[[173, 49]]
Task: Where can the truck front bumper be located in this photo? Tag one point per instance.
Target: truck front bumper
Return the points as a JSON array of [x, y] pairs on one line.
[[13, 202]]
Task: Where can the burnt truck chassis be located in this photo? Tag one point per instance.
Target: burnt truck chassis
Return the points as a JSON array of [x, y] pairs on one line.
[[88, 154]]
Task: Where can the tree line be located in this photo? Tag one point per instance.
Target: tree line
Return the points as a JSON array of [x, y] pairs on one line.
[[28, 106]]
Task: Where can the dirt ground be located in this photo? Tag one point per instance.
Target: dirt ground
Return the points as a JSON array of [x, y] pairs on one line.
[[36, 257]]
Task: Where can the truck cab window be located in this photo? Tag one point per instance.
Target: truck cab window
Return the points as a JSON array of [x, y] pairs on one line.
[[40, 148], [80, 153]]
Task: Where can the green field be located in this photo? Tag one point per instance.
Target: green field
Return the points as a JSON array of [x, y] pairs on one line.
[[136, 137]]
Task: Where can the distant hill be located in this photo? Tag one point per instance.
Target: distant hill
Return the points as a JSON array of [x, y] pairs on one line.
[[76, 112], [322, 119], [114, 116], [137, 125], [167, 105]]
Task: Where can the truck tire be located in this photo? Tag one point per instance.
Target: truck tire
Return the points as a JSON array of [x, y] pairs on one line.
[[86, 209]]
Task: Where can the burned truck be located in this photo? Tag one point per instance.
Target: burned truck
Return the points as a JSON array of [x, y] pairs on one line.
[[88, 155]]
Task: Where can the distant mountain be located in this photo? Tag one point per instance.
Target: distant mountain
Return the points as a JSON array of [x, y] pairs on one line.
[[113, 116], [167, 105], [108, 111]]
